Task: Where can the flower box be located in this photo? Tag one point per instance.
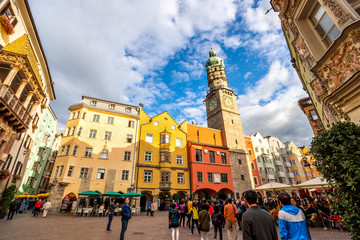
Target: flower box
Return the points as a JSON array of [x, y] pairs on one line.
[[4, 174], [34, 126], [6, 25]]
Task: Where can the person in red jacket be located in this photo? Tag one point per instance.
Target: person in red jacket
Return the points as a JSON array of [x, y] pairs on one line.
[[211, 210], [38, 205]]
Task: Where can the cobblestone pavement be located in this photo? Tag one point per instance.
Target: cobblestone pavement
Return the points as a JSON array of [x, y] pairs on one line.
[[63, 226]]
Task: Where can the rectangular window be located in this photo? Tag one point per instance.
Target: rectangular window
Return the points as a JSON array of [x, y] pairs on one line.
[[256, 149], [210, 177], [112, 106], [249, 152], [72, 132], [96, 118], [198, 155], [100, 173], [156, 123], [56, 171], [239, 161], [127, 156], [107, 136], [212, 157], [173, 127], [79, 131], [110, 120], [77, 114], [255, 180], [224, 178], [199, 177], [313, 115], [92, 103], [223, 158], [61, 170], [149, 138], [128, 109], [179, 142], [165, 157], [129, 138], [147, 176], [165, 177], [84, 173], [148, 156], [180, 178], [72, 115], [165, 139], [70, 171], [242, 177], [324, 25], [84, 115], [179, 160], [88, 152], [67, 150], [104, 153], [252, 166], [125, 175], [75, 150], [92, 133], [296, 173], [131, 124]]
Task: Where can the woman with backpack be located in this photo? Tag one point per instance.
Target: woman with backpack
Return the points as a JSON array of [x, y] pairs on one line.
[[183, 211], [217, 220], [204, 221], [174, 222]]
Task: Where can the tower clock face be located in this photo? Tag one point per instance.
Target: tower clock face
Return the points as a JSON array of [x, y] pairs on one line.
[[228, 102], [212, 104]]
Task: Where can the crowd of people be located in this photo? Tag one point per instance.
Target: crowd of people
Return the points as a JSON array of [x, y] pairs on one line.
[[256, 216], [21, 206]]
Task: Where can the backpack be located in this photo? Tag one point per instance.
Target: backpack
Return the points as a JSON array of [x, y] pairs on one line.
[[217, 218], [239, 209], [174, 219]]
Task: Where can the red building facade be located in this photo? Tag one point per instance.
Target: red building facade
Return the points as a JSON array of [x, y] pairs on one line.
[[210, 172]]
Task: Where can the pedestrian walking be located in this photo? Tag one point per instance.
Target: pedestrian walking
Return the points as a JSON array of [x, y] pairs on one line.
[[152, 208], [22, 206], [111, 212], [37, 207], [46, 207], [211, 210], [148, 208], [174, 223], [182, 213], [27, 202], [195, 218], [257, 223], [189, 205], [230, 213], [12, 209], [217, 220], [204, 222], [292, 221], [126, 215]]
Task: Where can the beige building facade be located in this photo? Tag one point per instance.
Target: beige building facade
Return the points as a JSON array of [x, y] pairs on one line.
[[97, 150]]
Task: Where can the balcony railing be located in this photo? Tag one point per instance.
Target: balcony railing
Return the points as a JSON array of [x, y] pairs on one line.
[[291, 175], [281, 174], [17, 115], [278, 162], [165, 186]]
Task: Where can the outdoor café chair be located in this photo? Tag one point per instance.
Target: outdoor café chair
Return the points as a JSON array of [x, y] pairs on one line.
[[86, 212], [100, 211], [79, 211]]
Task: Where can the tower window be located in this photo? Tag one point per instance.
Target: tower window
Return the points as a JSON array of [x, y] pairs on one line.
[[232, 121], [242, 177]]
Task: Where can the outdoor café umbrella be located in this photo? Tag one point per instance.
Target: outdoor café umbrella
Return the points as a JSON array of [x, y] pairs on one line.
[[90, 193], [132, 194], [313, 183], [112, 194], [274, 186]]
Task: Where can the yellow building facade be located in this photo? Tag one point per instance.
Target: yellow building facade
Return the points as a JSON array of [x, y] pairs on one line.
[[162, 168], [98, 148], [294, 155]]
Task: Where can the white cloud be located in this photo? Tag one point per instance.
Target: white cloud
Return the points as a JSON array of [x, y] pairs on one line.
[[247, 75]]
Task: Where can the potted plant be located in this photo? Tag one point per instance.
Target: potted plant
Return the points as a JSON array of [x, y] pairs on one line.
[[6, 25], [6, 199], [4, 174]]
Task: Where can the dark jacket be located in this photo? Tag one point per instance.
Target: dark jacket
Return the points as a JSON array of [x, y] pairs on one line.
[[126, 211], [258, 224], [112, 208], [174, 218], [217, 218], [204, 220], [13, 205]]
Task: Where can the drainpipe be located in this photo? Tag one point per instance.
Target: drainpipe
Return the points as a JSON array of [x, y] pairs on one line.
[[134, 158]]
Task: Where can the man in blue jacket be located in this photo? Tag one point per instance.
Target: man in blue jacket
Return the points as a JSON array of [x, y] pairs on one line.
[[126, 215], [292, 221]]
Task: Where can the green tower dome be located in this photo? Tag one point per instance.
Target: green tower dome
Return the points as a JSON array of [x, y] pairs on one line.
[[214, 60]]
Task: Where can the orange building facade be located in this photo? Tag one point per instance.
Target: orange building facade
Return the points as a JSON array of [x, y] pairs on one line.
[[256, 179], [210, 171]]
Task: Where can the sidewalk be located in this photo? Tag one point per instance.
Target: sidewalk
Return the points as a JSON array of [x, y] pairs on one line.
[[64, 226]]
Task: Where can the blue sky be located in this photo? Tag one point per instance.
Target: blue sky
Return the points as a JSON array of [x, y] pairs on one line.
[[153, 52]]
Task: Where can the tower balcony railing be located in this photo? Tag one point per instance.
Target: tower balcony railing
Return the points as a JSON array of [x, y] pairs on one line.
[[165, 186], [14, 110]]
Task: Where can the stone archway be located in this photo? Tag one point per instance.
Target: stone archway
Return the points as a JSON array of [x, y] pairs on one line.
[[147, 196], [67, 202]]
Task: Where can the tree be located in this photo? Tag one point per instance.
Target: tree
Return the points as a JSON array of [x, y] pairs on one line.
[[6, 199], [337, 154]]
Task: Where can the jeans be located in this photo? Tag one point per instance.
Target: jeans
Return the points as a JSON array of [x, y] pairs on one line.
[[124, 224], [25, 208], [36, 212], [182, 219], [11, 214], [229, 226], [216, 229], [239, 222], [111, 216], [148, 211], [195, 221]]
